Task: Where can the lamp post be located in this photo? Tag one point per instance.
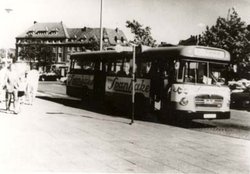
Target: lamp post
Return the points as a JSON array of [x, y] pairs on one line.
[[8, 10], [101, 31]]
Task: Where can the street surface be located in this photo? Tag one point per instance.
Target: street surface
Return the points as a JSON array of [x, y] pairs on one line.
[[57, 135], [237, 126]]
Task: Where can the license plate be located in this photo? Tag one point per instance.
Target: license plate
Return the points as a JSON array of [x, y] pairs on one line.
[[209, 115]]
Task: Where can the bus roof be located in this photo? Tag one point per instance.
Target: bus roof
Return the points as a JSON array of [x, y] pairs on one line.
[[192, 52], [101, 54], [186, 52]]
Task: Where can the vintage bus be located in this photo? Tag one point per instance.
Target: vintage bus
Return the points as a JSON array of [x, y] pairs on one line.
[[186, 81]]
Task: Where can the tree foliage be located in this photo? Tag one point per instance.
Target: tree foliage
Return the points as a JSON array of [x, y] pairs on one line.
[[28, 52], [141, 35], [45, 54], [230, 34], [40, 53]]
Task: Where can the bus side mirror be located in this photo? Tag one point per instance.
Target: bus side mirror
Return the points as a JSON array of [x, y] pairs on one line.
[[177, 65]]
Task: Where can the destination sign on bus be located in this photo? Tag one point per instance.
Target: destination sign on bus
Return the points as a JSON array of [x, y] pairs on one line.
[[123, 85], [213, 54]]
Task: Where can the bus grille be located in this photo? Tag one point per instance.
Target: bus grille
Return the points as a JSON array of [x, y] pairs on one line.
[[215, 101]]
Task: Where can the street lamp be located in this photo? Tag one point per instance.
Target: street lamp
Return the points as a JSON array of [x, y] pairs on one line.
[[8, 10]]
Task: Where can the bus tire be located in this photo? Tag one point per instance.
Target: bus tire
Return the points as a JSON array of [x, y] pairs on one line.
[[68, 91], [85, 96]]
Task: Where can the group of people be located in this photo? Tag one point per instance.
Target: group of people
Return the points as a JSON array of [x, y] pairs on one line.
[[18, 87]]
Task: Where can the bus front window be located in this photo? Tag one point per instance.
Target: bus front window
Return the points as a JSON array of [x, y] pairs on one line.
[[201, 72]]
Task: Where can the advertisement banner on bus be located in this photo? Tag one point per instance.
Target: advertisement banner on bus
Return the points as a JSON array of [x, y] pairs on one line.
[[123, 85], [79, 80]]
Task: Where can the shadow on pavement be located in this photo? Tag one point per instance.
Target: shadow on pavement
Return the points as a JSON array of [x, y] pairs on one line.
[[240, 108], [188, 124], [86, 116], [76, 103]]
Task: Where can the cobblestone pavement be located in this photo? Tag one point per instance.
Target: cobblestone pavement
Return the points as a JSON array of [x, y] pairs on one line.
[[51, 137]]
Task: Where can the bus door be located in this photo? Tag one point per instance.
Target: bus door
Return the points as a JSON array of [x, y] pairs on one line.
[[160, 78], [99, 81]]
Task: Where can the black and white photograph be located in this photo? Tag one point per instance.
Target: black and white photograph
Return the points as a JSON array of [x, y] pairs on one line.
[[125, 86]]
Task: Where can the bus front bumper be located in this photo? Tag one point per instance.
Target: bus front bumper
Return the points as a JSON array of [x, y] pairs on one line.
[[203, 115]]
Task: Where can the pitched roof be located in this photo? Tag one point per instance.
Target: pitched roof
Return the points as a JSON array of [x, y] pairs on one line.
[[45, 30], [58, 30], [87, 33], [114, 35]]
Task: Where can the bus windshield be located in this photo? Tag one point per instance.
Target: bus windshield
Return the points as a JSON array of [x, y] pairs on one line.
[[200, 72]]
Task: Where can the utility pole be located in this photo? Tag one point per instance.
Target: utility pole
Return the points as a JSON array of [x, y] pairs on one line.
[[101, 30], [133, 86]]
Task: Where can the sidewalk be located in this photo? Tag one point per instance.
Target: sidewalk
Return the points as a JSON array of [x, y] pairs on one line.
[[50, 137]]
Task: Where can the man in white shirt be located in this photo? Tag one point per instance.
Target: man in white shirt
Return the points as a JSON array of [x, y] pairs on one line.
[[32, 84]]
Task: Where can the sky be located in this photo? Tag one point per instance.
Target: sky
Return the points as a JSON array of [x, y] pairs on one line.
[[170, 20]]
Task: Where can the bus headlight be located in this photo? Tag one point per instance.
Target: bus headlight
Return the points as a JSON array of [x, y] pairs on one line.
[[184, 101]]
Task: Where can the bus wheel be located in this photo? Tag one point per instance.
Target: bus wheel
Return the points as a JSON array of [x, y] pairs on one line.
[[85, 96]]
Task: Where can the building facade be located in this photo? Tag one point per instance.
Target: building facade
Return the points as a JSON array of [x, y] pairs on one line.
[[63, 41]]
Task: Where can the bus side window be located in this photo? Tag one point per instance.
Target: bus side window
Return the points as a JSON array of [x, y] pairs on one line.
[[111, 68], [180, 71]]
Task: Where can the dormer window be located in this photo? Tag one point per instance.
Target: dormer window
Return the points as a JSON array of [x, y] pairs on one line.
[[41, 32], [122, 39], [31, 32], [54, 31]]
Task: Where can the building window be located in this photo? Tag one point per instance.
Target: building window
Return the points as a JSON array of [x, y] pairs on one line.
[[60, 55], [54, 49]]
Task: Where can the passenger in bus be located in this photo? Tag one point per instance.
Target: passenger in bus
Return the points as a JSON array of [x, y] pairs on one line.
[[125, 70], [146, 70]]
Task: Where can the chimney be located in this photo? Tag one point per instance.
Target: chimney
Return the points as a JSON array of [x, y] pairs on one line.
[[116, 30], [84, 29], [35, 22]]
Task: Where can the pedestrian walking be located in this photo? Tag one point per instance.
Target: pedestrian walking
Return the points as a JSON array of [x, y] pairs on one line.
[[3, 71], [32, 85], [11, 88], [22, 86]]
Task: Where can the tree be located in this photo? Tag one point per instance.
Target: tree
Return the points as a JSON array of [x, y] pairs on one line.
[[142, 35], [45, 54], [37, 53], [230, 34], [29, 53]]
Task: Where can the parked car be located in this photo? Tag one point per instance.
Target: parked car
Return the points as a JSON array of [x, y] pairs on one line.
[[50, 76], [241, 99]]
